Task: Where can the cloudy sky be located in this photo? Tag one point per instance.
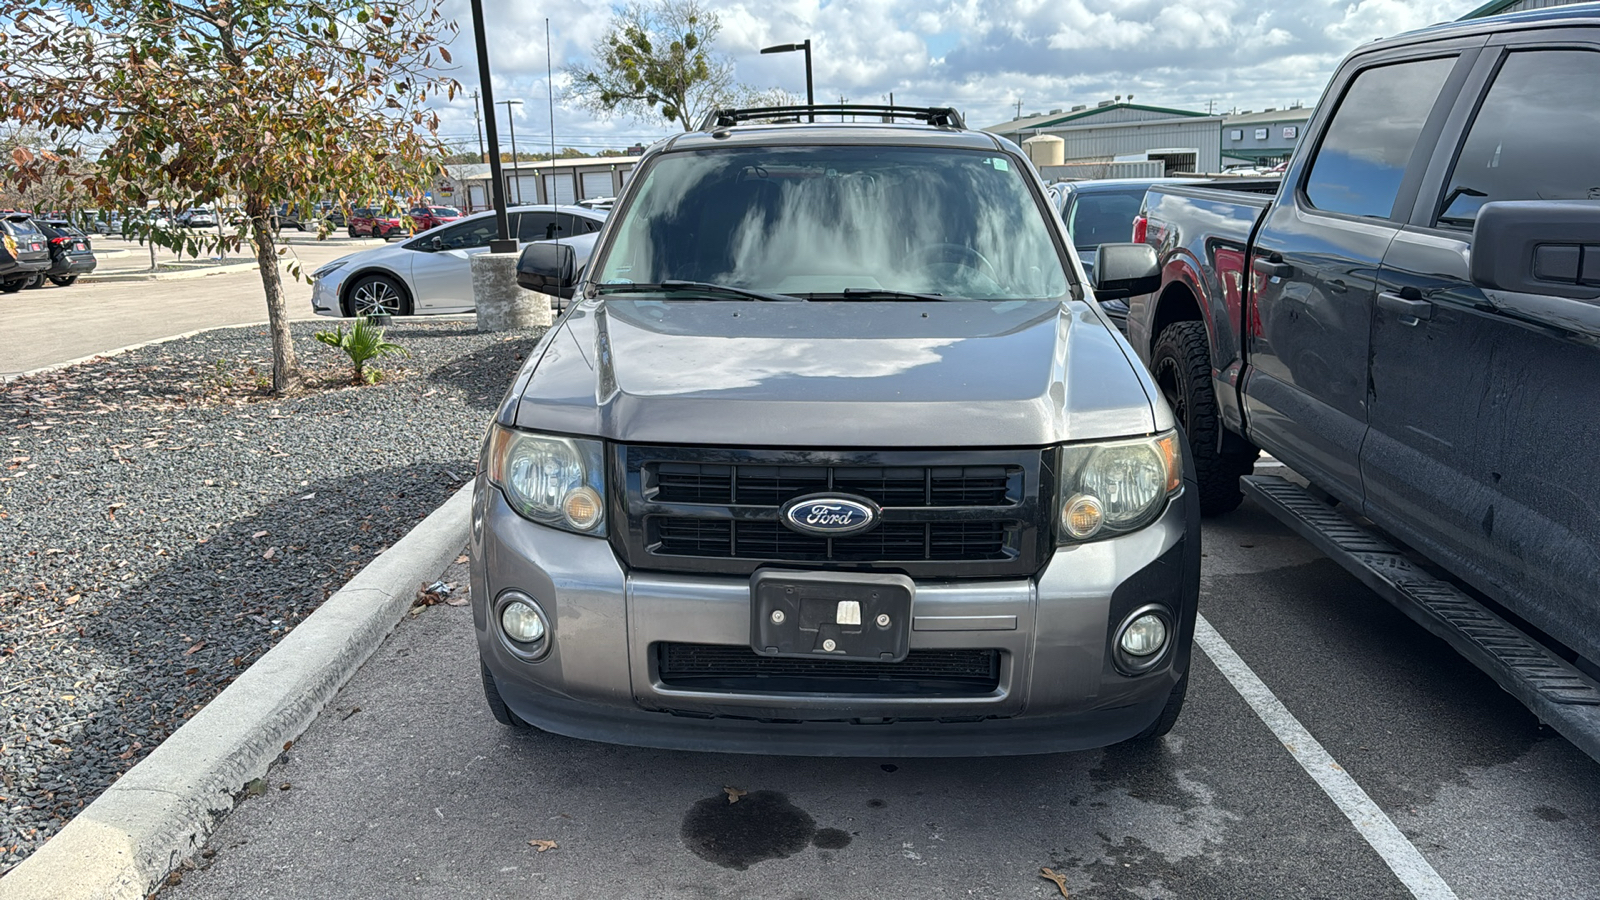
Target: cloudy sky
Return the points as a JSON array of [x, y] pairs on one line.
[[981, 56]]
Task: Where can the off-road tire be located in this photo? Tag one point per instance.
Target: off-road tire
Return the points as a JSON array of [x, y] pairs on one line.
[[1181, 365], [63, 280], [497, 705], [1169, 713]]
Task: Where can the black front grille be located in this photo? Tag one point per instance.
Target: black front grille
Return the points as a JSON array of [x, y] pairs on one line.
[[713, 667], [944, 513], [903, 486], [893, 541]]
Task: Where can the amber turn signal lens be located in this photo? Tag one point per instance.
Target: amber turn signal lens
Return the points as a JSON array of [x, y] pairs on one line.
[[1170, 456], [582, 508]]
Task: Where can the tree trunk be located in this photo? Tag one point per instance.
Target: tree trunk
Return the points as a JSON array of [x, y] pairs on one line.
[[285, 370]]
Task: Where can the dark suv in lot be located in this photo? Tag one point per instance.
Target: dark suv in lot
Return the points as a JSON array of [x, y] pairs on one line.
[[834, 453], [24, 252], [70, 252]]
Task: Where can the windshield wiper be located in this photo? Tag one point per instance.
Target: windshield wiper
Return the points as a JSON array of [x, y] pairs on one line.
[[880, 294], [694, 287]]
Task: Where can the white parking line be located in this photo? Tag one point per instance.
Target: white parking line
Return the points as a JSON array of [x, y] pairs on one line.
[[1397, 851]]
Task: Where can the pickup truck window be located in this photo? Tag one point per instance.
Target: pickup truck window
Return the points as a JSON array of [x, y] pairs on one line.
[[1368, 144], [1530, 140], [1104, 217], [817, 221]]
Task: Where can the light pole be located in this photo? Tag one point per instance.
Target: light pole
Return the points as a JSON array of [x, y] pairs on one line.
[[505, 243], [515, 170], [811, 98]]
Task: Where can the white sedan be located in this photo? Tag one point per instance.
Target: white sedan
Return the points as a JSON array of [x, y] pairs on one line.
[[432, 273]]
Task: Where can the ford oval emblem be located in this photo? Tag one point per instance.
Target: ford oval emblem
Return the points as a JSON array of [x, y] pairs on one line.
[[830, 514]]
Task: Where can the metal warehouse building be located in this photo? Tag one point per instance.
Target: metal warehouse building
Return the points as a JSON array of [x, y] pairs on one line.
[[1268, 136], [1116, 139], [1497, 7]]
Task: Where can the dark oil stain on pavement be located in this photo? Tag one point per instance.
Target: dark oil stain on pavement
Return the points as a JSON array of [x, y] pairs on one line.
[[762, 825]]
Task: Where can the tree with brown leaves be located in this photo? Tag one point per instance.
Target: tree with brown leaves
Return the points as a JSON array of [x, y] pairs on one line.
[[269, 101]]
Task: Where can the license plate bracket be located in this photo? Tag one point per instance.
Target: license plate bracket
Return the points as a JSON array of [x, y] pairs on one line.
[[862, 616]]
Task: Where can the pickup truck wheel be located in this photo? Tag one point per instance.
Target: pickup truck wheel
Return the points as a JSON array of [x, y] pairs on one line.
[[1181, 365], [497, 705], [1169, 713]]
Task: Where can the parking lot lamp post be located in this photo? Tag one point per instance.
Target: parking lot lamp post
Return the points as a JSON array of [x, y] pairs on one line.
[[506, 243], [811, 98], [515, 170]]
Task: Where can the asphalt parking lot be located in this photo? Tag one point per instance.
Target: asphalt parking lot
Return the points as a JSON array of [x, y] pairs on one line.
[[405, 786]]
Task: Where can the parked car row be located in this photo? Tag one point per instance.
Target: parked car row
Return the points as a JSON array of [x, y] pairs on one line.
[[34, 250], [431, 272]]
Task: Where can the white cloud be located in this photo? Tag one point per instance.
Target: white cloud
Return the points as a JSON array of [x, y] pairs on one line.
[[981, 55]]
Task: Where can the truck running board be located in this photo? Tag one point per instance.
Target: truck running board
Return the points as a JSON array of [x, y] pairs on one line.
[[1560, 695]]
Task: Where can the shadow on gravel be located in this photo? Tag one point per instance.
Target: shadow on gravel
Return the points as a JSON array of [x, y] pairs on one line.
[[470, 372], [126, 666]]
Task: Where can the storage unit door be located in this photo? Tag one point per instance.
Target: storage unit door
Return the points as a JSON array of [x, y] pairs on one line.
[[559, 188], [596, 184]]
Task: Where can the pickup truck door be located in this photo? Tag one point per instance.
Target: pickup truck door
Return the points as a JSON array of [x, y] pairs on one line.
[[1483, 431], [1315, 260]]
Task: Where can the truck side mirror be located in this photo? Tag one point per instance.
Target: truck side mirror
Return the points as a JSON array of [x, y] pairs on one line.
[[1549, 247], [550, 268], [1123, 270]]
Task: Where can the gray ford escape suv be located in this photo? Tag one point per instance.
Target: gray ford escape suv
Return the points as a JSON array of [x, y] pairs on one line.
[[834, 453]]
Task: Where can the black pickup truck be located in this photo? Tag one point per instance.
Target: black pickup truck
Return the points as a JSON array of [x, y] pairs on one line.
[[1412, 324]]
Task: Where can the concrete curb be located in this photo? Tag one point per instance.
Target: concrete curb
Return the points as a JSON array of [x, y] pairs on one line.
[[54, 367], [198, 272], [125, 843]]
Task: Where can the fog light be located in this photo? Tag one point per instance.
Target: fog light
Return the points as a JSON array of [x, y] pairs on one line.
[[1144, 636], [582, 508], [521, 623], [1082, 517]]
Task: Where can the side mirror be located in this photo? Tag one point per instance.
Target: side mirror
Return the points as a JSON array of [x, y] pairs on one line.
[[1549, 247], [1124, 270], [548, 268]]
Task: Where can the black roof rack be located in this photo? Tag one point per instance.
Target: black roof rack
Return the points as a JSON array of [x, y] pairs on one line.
[[942, 116]]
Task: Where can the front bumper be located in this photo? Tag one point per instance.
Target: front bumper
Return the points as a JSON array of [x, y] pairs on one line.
[[325, 293], [1058, 689]]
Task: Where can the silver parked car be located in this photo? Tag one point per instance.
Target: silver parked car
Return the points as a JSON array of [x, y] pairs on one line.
[[834, 453], [432, 272]]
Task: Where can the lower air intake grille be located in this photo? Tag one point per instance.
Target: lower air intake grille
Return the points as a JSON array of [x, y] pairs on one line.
[[714, 667]]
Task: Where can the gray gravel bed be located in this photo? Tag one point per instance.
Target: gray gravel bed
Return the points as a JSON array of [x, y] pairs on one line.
[[163, 523]]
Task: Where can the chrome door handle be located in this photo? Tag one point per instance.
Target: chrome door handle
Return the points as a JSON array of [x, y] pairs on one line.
[[1410, 311]]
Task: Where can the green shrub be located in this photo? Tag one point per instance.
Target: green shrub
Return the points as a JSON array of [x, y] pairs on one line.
[[362, 343]]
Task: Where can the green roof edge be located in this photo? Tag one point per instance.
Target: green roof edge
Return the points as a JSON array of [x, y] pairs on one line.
[[1100, 109]]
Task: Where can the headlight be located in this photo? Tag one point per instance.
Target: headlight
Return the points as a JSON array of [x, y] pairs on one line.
[[1118, 486], [554, 481], [329, 269]]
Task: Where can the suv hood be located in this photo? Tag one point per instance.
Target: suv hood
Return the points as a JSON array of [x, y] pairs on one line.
[[833, 374]]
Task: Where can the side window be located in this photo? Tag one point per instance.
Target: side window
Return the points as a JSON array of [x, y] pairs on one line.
[[1368, 144], [586, 226], [1531, 140], [538, 226], [466, 235]]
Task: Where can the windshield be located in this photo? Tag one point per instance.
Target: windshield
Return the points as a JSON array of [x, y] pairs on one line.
[[1104, 217], [813, 221]]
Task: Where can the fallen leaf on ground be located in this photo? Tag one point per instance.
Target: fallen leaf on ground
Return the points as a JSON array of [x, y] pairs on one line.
[[734, 794], [71, 600], [459, 601], [542, 846], [196, 648], [1060, 880], [463, 558]]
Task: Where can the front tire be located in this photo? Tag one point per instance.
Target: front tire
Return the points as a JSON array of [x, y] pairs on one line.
[[1181, 365], [497, 704], [377, 295], [351, 229], [63, 280]]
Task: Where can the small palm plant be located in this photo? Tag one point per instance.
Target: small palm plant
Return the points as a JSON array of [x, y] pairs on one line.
[[362, 343]]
